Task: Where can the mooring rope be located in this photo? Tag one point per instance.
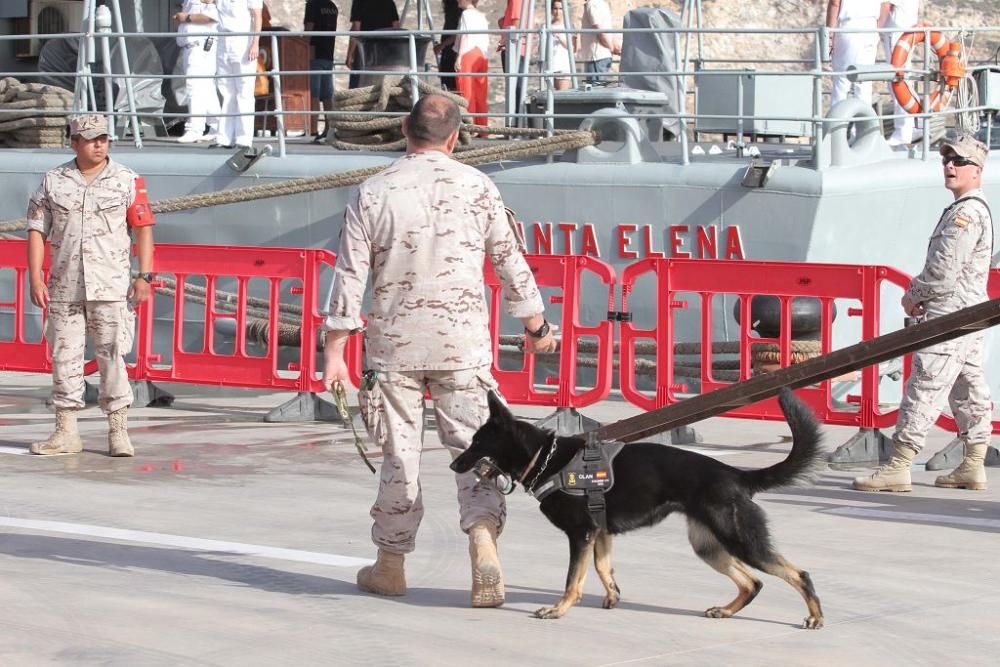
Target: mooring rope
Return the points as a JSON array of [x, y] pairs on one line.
[[388, 96]]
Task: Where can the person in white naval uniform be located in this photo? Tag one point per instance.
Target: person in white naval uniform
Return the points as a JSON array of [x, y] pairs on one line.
[[852, 48], [196, 22], [237, 55]]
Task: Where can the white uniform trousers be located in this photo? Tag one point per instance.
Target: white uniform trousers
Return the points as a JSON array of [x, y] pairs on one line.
[[236, 92], [855, 48], [202, 94]]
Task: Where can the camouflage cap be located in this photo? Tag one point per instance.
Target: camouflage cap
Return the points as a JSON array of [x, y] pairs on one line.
[[89, 126], [967, 146]]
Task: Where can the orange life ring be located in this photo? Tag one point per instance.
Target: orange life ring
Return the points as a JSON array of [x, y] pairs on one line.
[[949, 59]]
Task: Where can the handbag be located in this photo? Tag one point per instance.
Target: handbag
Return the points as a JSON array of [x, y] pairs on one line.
[[262, 84]]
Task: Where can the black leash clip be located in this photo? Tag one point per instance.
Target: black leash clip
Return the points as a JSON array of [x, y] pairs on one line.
[[368, 380]]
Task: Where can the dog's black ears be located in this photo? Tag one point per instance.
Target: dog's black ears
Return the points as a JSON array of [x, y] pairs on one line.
[[498, 409]]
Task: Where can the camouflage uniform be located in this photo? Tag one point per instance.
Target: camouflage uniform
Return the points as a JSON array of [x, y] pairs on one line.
[[88, 278], [423, 228], [954, 277]]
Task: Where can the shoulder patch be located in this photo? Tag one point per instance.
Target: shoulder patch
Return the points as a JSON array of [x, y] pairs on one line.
[[960, 221]]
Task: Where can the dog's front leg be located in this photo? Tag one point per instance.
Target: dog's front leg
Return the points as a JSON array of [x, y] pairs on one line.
[[580, 549]]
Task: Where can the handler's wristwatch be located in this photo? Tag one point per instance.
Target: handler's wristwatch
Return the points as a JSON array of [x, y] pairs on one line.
[[541, 332], [148, 277]]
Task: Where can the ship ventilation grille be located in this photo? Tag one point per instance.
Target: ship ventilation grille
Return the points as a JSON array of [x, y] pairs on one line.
[[51, 17]]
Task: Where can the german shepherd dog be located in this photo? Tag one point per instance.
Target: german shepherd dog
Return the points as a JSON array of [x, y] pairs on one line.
[[727, 529]]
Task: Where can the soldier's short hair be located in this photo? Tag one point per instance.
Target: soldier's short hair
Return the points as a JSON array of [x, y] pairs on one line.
[[432, 120]]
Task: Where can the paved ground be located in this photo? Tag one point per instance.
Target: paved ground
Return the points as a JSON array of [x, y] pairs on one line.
[[229, 541]]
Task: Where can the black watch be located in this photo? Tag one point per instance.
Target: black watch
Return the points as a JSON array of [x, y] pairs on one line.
[[541, 332], [148, 277]]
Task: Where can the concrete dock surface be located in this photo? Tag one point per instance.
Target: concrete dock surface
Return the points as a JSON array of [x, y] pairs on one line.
[[229, 541]]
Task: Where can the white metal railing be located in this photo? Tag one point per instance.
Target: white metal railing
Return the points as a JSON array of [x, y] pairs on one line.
[[684, 69]]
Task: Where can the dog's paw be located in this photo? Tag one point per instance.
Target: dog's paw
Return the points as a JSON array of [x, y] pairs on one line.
[[611, 601], [718, 612], [548, 612], [812, 623]]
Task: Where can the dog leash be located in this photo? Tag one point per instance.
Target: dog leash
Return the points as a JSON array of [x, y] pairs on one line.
[[340, 400]]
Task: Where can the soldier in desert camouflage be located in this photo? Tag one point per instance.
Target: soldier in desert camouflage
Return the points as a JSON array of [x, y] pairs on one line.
[[954, 277], [423, 228], [86, 209]]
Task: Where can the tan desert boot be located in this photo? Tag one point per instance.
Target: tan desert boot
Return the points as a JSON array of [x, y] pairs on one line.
[[64, 440], [893, 476], [118, 441], [970, 473], [385, 577], [487, 579]]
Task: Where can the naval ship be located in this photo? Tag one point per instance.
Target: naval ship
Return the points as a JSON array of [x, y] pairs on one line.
[[734, 161], [231, 541]]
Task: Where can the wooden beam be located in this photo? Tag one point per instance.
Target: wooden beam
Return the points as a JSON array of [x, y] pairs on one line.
[[817, 369]]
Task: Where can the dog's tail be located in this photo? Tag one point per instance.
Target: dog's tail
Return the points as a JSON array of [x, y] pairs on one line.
[[800, 465]]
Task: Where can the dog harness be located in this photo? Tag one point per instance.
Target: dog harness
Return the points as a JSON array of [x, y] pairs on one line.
[[589, 473]]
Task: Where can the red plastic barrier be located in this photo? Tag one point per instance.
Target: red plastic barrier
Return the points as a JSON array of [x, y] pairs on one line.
[[19, 354], [710, 278], [238, 368], [673, 278], [564, 272]]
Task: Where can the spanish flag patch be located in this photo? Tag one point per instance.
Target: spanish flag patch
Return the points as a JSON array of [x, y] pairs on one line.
[[961, 222]]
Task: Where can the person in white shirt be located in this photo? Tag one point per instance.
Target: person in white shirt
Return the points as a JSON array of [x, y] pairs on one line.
[[596, 48], [472, 59], [900, 14], [852, 48], [237, 55], [198, 54], [560, 62]]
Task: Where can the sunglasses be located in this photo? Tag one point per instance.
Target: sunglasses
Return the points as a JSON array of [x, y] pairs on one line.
[[957, 161]]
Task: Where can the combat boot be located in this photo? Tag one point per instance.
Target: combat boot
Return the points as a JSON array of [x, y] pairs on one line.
[[487, 579], [893, 476], [65, 439], [385, 577], [118, 441], [970, 473]]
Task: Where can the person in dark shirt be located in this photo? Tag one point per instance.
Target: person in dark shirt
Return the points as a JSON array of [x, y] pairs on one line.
[[369, 15], [321, 16], [444, 48]]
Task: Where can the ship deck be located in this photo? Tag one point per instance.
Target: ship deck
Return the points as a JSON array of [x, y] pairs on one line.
[[231, 541]]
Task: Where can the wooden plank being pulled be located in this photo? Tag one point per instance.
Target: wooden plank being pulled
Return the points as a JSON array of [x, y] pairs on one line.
[[838, 362]]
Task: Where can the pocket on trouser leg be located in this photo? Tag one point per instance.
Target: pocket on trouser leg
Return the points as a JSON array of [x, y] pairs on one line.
[[126, 330], [371, 402], [488, 384]]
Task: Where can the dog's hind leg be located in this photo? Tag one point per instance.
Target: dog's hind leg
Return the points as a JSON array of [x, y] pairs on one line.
[[800, 581], [580, 549], [710, 550], [602, 562]]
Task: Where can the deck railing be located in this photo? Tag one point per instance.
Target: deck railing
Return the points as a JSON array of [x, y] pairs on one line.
[[687, 69]]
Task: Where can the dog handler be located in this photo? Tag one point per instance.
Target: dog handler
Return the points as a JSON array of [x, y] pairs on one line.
[[423, 228], [88, 209], [954, 277]]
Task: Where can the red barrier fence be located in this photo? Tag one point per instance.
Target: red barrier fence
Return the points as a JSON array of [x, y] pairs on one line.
[[565, 273], [708, 280], [18, 353], [279, 272], [297, 269]]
